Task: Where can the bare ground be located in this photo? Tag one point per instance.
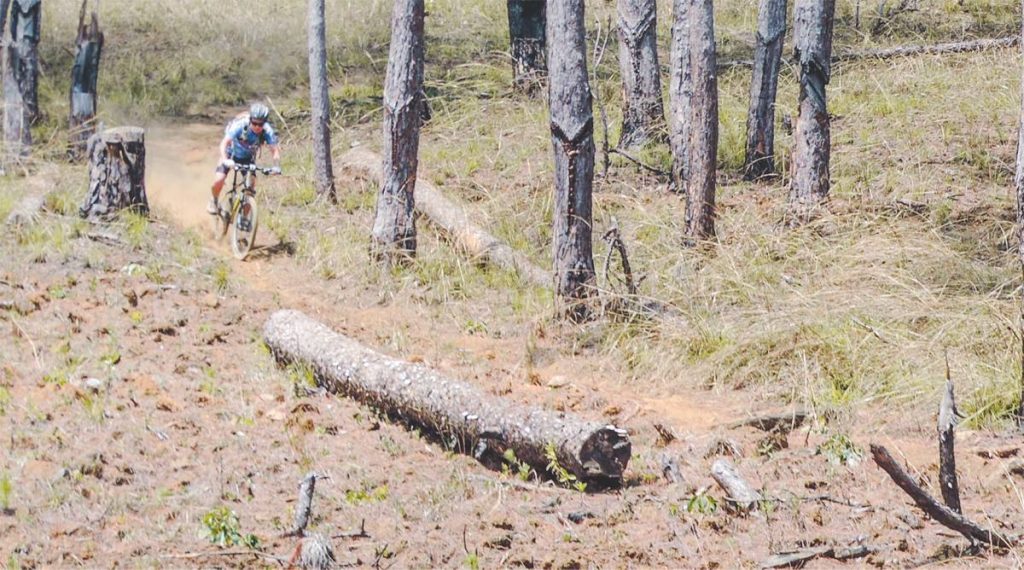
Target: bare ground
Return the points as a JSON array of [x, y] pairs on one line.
[[187, 413]]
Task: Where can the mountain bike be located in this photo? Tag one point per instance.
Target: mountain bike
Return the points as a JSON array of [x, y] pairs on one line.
[[238, 209]]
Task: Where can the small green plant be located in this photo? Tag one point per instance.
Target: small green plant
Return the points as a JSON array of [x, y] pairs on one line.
[[224, 530], [473, 561], [366, 495], [562, 474], [522, 470], [701, 503], [221, 275], [6, 490], [839, 450], [136, 227], [5, 400]]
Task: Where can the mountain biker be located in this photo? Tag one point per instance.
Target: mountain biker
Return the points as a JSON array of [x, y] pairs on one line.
[[242, 140]]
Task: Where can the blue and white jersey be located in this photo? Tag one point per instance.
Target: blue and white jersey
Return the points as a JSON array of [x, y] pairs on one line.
[[245, 142]]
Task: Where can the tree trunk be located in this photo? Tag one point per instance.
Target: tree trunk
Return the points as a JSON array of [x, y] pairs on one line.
[[700, 189], [17, 135], [680, 95], [393, 239], [453, 221], [25, 28], [117, 173], [771, 32], [479, 422], [84, 75], [1019, 182], [526, 31], [813, 21], [642, 112], [572, 136], [320, 103]]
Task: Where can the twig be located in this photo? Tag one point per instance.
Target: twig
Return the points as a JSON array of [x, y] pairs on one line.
[[35, 353], [637, 162], [361, 533], [940, 513], [219, 553], [874, 332], [615, 243]]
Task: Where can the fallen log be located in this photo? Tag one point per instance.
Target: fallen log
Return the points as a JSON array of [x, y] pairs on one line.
[[452, 220], [937, 511], [905, 51], [422, 397], [784, 422]]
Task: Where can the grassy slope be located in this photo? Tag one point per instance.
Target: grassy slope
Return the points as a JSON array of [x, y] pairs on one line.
[[858, 308]]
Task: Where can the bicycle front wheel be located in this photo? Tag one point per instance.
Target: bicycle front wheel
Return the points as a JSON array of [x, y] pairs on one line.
[[243, 226]]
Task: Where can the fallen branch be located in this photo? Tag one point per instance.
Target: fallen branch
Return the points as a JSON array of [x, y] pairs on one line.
[[305, 506], [638, 162], [940, 513], [453, 220], [798, 558], [361, 533], [458, 412], [784, 422]]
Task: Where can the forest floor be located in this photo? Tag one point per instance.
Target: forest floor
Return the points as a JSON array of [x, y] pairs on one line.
[[138, 399]]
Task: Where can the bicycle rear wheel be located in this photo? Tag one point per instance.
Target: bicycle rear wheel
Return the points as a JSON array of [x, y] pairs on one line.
[[244, 221]]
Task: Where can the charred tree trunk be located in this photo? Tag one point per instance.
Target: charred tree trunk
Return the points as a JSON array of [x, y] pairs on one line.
[[25, 28], [771, 32], [680, 95], [526, 31], [813, 21], [320, 103], [947, 450], [572, 136], [84, 76], [479, 422], [117, 173], [393, 239], [1019, 182], [454, 223], [700, 188], [642, 112]]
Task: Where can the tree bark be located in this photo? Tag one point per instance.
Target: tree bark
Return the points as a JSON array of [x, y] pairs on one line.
[[1019, 183], [320, 103], [680, 95], [117, 173], [813, 21], [938, 512], [771, 33], [17, 134], [453, 221], [526, 31], [700, 188], [451, 409], [84, 76], [393, 239], [947, 453], [572, 138], [642, 113], [25, 29]]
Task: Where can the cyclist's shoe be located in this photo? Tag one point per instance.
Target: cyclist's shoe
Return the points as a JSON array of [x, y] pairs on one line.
[[212, 208], [244, 224]]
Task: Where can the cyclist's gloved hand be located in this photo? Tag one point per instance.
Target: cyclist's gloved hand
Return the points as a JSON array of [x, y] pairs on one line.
[[275, 170], [228, 163]]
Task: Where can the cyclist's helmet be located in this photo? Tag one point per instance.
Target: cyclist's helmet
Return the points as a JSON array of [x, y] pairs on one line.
[[258, 112]]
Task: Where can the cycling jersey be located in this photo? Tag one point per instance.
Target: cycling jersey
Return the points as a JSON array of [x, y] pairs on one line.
[[245, 141]]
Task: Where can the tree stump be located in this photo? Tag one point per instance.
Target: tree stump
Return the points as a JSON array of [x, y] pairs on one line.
[[117, 171], [84, 75], [526, 29]]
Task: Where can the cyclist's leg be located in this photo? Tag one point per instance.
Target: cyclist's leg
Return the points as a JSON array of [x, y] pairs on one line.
[[219, 177]]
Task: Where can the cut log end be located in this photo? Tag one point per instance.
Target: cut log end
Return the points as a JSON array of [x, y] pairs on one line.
[[606, 453]]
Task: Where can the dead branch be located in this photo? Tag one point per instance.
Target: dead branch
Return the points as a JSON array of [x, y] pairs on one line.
[[740, 494], [361, 533], [940, 513], [798, 558], [670, 469], [305, 506], [638, 162], [615, 244]]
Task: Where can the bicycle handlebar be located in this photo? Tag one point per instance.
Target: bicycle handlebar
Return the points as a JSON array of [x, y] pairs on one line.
[[266, 170]]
